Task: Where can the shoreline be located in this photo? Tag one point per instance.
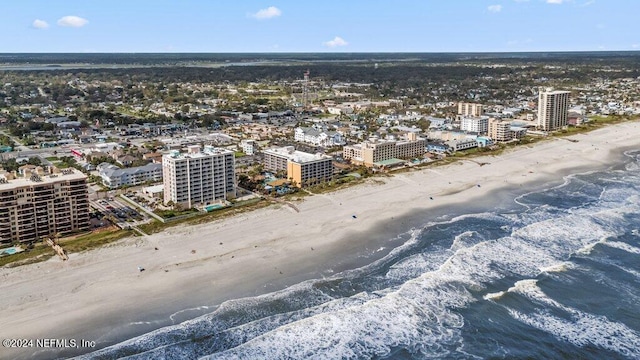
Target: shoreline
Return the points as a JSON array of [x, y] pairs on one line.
[[96, 294]]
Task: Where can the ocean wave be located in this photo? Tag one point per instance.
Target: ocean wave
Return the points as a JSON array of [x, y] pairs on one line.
[[413, 298], [577, 327], [623, 246]]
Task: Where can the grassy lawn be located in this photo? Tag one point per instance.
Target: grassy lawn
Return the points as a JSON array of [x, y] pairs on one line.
[[168, 214], [61, 165], [237, 208], [93, 240], [42, 252]]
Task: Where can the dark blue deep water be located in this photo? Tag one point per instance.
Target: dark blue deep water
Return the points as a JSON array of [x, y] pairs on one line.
[[556, 276]]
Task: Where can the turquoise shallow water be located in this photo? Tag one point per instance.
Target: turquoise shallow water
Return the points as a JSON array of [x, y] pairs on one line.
[[9, 251]]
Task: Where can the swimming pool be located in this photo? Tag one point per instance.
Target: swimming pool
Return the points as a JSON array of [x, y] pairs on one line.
[[10, 251], [213, 207]]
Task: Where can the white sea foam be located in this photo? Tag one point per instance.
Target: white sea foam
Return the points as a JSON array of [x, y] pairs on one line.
[[173, 316], [587, 249], [366, 330], [464, 240], [579, 328], [623, 246], [418, 306], [523, 286], [494, 296], [562, 267], [630, 271]]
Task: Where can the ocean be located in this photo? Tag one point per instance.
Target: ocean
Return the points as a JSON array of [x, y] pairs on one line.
[[550, 274]]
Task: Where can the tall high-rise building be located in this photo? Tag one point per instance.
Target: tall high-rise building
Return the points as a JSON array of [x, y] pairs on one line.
[[198, 177], [36, 204], [553, 108]]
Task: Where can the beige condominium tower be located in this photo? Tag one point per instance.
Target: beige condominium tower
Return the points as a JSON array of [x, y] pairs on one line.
[[35, 204], [553, 109], [303, 169]]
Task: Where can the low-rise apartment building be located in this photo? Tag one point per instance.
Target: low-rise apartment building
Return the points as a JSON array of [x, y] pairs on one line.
[[303, 169], [114, 177], [318, 138], [500, 130], [371, 152]]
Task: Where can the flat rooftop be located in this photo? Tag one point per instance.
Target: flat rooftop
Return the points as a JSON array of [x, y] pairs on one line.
[[69, 174], [296, 156], [208, 151]]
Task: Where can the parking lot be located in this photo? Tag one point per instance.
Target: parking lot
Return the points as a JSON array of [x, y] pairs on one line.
[[119, 213]]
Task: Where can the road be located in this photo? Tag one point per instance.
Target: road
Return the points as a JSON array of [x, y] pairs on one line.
[[18, 146]]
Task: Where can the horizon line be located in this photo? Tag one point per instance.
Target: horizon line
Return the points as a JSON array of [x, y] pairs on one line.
[[329, 52]]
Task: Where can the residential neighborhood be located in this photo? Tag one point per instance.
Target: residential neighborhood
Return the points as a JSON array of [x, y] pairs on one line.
[[277, 137]]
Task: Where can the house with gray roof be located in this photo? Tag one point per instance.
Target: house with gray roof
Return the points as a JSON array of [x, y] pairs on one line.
[[318, 137]]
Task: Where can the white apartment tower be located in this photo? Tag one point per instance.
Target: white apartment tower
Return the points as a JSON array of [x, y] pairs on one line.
[[478, 125], [198, 177], [553, 108]]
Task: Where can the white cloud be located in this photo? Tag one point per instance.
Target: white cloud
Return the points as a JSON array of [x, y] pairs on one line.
[[40, 24], [494, 8], [72, 21], [337, 41], [555, 1], [267, 13], [590, 2], [636, 46]]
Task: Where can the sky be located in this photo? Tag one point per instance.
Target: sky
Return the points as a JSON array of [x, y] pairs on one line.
[[214, 26]]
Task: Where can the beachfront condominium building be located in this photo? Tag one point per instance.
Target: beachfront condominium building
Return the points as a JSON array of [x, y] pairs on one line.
[[36, 203], [553, 109], [500, 130], [370, 152], [470, 109], [198, 177], [114, 177], [303, 169], [479, 125]]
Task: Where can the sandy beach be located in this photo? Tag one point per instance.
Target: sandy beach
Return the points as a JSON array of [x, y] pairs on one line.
[[101, 296]]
